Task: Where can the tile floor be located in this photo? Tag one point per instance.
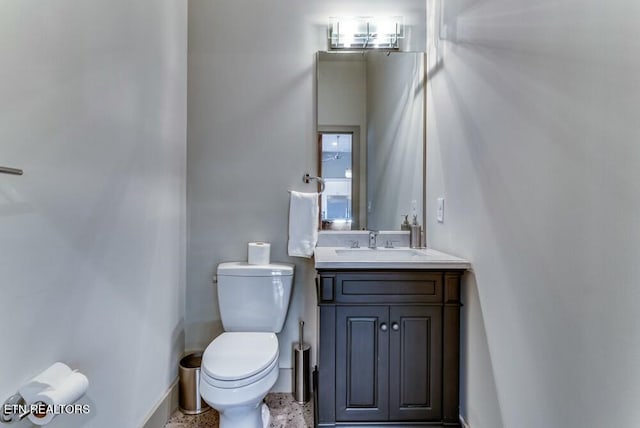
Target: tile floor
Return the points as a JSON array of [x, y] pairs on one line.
[[285, 413]]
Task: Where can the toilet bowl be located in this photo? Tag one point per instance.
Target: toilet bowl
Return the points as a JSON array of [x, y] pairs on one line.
[[238, 370], [241, 365]]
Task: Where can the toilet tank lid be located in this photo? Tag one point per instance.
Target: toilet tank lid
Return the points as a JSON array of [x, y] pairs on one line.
[[245, 269]]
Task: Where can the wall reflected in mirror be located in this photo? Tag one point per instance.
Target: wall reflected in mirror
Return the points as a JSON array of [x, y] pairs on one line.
[[370, 108]]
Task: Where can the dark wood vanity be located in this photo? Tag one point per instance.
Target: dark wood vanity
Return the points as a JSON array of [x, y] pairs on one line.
[[388, 348]]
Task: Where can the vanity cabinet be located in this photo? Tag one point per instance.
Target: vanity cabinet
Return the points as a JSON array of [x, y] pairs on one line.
[[388, 348]]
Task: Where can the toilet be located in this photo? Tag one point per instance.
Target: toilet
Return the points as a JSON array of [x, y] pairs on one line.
[[241, 365]]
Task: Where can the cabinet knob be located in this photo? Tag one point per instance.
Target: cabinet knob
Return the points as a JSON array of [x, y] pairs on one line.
[[395, 326], [383, 327]]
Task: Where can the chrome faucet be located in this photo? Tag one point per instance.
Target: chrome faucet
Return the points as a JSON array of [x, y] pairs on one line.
[[373, 235]]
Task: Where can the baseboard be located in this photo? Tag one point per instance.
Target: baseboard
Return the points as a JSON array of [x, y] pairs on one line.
[[463, 422], [164, 409], [284, 382]]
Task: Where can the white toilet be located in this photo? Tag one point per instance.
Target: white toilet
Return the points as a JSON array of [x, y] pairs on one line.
[[241, 365]]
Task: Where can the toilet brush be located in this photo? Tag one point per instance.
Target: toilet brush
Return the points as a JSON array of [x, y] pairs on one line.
[[302, 360]]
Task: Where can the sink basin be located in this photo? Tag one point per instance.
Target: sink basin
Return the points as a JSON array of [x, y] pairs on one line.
[[385, 258], [391, 254]]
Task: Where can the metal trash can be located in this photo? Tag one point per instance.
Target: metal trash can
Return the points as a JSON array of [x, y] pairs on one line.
[[190, 401]]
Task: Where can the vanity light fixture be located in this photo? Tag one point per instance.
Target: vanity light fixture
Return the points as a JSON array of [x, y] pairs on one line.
[[346, 33]]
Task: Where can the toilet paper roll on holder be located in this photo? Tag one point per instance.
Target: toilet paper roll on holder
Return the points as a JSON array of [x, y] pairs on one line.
[[35, 398]]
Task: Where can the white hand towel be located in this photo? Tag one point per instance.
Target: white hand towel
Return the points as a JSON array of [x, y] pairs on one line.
[[303, 224]]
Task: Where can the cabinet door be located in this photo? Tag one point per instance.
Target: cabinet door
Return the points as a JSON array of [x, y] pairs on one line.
[[415, 361], [362, 358]]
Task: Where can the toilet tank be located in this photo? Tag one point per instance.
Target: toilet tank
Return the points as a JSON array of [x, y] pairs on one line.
[[254, 297]]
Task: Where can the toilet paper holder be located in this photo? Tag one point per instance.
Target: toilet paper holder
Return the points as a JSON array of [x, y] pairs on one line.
[[56, 387], [12, 171], [14, 409]]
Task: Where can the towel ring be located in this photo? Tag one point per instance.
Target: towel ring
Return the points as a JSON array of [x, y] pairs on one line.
[[307, 178]]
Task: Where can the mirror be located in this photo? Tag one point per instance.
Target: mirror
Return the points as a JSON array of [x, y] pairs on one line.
[[371, 138]]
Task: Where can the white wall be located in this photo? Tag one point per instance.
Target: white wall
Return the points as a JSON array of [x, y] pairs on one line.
[[92, 253], [251, 137], [533, 139], [395, 138]]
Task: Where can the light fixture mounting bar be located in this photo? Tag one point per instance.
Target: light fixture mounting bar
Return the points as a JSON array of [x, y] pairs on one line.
[[347, 33]]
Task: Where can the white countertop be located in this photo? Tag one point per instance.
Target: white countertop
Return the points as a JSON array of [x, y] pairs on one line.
[[386, 258]]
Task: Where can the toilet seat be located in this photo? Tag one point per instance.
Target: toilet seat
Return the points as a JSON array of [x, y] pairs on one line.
[[239, 383], [236, 359]]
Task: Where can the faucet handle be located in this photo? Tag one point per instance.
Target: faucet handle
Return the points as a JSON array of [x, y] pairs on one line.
[[389, 244]]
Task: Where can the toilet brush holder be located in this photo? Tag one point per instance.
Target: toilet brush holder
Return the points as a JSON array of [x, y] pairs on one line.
[[301, 369]]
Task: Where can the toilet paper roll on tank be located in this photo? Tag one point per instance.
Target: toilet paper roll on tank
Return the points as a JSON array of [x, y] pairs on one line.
[[259, 253], [57, 386]]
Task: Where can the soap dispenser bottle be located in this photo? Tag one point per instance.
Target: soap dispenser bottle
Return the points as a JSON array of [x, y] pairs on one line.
[[415, 234], [415, 230], [405, 224]]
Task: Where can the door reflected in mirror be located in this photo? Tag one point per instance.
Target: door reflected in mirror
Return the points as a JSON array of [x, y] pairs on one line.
[[337, 208]]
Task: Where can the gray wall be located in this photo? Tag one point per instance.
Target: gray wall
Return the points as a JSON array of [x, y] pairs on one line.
[[342, 96], [533, 139], [251, 136], [92, 254]]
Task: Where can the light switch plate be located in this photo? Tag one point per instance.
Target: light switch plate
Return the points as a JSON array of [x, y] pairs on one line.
[[440, 214]]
